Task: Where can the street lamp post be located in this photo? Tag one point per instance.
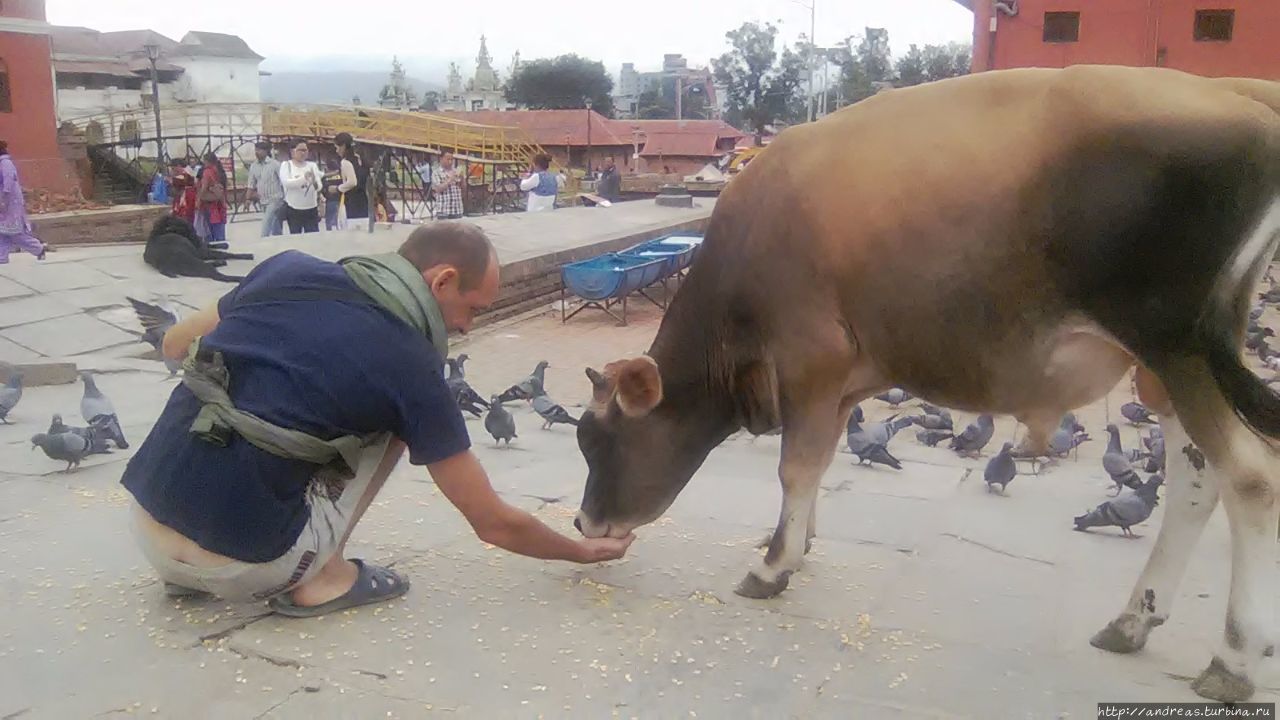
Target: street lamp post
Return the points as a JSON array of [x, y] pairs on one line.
[[812, 6], [153, 54], [586, 160]]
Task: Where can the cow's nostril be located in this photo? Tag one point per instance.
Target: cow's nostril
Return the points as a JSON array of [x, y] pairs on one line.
[[577, 523]]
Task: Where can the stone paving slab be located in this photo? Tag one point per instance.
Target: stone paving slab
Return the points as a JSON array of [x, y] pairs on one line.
[[12, 288], [66, 336], [49, 276], [14, 353], [32, 309]]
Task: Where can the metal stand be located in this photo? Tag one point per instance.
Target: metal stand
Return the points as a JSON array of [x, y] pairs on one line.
[[613, 302]]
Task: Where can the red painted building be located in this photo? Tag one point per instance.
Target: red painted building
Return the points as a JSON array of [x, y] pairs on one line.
[[28, 118], [1208, 37]]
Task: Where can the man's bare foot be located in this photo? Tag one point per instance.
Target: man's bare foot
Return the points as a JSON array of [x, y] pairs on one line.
[[333, 581]]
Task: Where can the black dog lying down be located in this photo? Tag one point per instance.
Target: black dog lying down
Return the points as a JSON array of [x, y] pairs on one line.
[[175, 250]]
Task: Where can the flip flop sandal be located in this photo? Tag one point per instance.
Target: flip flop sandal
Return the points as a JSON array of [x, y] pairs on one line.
[[374, 584]]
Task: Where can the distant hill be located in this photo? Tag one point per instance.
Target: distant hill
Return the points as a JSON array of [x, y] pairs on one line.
[[331, 86]]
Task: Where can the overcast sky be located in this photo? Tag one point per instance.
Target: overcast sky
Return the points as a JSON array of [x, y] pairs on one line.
[[427, 33]]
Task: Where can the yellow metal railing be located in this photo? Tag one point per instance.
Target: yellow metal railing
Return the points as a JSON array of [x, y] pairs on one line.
[[397, 128]]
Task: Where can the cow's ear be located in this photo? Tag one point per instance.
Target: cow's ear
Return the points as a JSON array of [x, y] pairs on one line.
[[601, 389], [757, 397], [638, 383]]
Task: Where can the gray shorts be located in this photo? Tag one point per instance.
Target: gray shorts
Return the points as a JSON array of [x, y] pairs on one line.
[[332, 511]]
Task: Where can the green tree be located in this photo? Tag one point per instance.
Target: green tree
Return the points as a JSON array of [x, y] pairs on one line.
[[430, 101], [866, 66], [562, 83], [761, 86], [910, 67], [946, 61]]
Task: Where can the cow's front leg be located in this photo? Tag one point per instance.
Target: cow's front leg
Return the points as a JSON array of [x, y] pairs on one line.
[[808, 445], [1191, 494]]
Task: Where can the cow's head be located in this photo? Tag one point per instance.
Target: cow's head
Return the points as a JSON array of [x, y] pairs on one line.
[[642, 442]]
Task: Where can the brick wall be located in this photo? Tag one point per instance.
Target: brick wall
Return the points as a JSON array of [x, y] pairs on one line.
[[121, 224]]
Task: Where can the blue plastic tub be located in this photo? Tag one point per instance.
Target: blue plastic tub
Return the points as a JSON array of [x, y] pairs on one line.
[[613, 275], [677, 250]]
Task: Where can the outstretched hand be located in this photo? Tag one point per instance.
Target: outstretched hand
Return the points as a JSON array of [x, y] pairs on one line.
[[605, 548]]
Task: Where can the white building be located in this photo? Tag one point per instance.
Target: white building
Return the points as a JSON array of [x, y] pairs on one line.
[[484, 92], [98, 72]]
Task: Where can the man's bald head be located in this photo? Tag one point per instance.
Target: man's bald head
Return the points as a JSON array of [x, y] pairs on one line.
[[461, 245], [460, 266]]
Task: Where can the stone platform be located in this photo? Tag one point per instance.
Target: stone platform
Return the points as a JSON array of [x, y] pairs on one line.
[[72, 306]]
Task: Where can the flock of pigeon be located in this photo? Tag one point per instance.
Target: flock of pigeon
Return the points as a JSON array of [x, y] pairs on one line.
[[497, 421], [71, 444], [870, 443], [67, 443]]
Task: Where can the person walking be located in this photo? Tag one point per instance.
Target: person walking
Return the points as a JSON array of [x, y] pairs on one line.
[[211, 194], [446, 186], [355, 178], [609, 186], [266, 190], [301, 180], [15, 231], [304, 387], [541, 184]]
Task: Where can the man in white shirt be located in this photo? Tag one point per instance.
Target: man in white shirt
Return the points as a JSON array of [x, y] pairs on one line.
[[265, 189], [301, 180], [541, 184]]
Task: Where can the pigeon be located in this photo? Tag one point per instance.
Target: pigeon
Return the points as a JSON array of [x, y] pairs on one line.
[[1253, 341], [547, 408], [1271, 296], [1069, 435], [934, 422], [858, 415], [1265, 353], [10, 394], [975, 436], [499, 422], [464, 395], [877, 454], [1000, 469], [935, 417], [156, 321], [1124, 511], [1255, 314], [97, 410], [894, 396], [97, 444], [863, 442], [1116, 463], [1273, 362], [524, 390], [67, 447], [1155, 451], [933, 437], [1137, 414]]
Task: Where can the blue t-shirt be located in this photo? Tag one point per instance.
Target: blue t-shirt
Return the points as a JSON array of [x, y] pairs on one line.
[[325, 367]]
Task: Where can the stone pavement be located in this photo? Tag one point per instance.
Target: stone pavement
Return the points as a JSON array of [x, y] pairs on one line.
[[925, 596]]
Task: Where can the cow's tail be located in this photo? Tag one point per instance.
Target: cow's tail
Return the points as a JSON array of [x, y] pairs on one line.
[[1218, 328]]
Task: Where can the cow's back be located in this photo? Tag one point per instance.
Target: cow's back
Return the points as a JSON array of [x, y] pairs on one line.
[[936, 205]]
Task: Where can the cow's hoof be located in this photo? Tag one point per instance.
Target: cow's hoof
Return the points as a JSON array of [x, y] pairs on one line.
[[1126, 634], [1218, 683], [808, 545], [753, 587]]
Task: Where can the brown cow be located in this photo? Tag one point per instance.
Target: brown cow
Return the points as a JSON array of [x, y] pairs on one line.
[[1010, 242]]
